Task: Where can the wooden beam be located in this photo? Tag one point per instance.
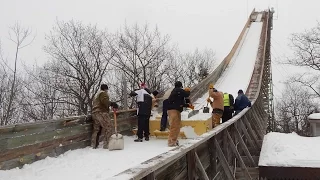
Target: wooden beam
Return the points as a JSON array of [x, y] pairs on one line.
[[235, 151], [202, 170], [35, 148], [253, 135], [246, 134], [12, 143], [213, 158], [257, 123], [40, 127], [223, 161], [191, 164], [245, 149], [151, 176]]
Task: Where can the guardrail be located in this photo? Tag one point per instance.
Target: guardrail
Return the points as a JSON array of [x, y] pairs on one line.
[[22, 144]]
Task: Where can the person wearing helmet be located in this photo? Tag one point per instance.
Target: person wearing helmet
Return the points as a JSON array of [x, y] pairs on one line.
[[217, 105]]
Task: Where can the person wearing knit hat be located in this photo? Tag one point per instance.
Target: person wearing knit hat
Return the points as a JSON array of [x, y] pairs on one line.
[[144, 103], [176, 101], [143, 85], [100, 117], [241, 102]]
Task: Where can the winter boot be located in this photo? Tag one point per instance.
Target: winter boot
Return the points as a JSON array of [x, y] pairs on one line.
[[138, 140], [105, 145], [147, 138]]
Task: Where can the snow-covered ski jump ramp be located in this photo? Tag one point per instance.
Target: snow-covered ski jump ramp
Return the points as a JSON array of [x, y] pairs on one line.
[[229, 151]]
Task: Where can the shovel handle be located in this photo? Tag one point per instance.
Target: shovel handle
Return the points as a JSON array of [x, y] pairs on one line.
[[115, 121]]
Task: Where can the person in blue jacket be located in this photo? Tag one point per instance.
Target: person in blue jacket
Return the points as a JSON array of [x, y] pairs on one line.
[[241, 102]]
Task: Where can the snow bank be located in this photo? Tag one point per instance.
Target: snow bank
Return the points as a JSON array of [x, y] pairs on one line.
[[315, 116], [290, 150], [87, 163]]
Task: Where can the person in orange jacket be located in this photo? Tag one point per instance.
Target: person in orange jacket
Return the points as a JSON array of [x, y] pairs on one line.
[[216, 104]]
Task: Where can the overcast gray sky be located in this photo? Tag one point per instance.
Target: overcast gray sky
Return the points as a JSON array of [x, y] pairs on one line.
[[191, 24]]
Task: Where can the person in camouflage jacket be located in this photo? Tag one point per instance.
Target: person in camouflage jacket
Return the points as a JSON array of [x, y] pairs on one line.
[[101, 118]]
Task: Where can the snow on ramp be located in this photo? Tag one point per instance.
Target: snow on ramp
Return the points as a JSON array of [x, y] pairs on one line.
[[239, 71]]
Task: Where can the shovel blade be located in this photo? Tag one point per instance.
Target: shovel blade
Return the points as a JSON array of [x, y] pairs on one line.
[[116, 142], [192, 113]]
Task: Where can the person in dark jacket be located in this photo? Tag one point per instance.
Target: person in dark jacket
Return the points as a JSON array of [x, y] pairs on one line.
[[241, 102], [176, 101], [228, 103], [164, 117], [144, 102]]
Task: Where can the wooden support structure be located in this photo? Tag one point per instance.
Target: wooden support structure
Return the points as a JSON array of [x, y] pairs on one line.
[[191, 162], [201, 168]]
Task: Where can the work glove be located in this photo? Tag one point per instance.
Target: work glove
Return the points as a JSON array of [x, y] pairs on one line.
[[187, 89], [211, 86], [114, 105], [190, 106], [187, 100]]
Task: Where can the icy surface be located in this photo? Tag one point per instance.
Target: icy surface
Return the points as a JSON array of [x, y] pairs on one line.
[[290, 150]]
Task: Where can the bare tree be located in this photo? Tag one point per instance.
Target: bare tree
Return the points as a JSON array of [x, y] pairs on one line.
[[79, 59], [42, 99], [191, 68], [21, 37], [293, 109], [142, 54], [306, 47]]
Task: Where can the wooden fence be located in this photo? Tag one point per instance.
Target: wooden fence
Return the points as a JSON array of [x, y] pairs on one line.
[[25, 143]]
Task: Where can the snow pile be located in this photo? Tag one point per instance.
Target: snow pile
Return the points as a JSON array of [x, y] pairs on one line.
[[290, 150], [315, 116], [189, 132], [87, 163]]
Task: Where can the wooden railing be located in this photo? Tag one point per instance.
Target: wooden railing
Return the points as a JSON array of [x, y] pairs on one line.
[[25, 143], [229, 151]]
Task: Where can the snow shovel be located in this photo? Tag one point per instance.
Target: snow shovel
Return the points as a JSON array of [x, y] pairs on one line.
[[192, 113], [116, 141], [206, 109]]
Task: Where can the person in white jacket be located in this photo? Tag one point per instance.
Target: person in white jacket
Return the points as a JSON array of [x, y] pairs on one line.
[[144, 102]]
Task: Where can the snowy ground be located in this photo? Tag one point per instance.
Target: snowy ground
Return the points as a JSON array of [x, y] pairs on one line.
[[89, 164], [290, 150]]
